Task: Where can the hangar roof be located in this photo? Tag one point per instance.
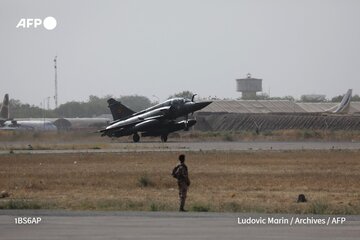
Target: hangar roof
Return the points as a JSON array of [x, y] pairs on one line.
[[321, 107], [271, 106]]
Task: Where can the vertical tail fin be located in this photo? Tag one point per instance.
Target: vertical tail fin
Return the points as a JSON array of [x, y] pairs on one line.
[[4, 112], [119, 110], [344, 105]]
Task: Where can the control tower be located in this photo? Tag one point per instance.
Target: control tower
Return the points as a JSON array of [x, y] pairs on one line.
[[248, 86]]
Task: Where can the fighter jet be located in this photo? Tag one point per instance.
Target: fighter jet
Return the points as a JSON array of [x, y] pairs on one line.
[[159, 120]]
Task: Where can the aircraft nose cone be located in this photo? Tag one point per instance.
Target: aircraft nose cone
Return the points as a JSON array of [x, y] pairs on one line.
[[201, 105]]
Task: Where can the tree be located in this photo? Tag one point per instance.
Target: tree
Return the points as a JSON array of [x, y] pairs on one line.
[[135, 102], [289, 98], [313, 98], [337, 98], [71, 109], [262, 96], [355, 98], [183, 94], [18, 109], [95, 106]]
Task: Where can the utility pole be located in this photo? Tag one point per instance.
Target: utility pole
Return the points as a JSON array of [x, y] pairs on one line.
[[56, 87], [48, 103], [44, 112]]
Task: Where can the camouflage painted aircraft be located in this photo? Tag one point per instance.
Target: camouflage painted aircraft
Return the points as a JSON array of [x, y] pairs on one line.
[[159, 120]]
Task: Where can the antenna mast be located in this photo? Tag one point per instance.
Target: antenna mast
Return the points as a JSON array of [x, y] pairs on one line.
[[56, 87]]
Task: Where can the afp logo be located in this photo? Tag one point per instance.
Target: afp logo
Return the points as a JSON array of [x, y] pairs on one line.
[[48, 23]]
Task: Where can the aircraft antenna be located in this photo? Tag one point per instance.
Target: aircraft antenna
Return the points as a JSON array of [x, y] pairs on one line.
[[56, 87]]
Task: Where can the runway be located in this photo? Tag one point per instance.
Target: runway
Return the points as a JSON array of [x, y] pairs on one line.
[[203, 146], [166, 225]]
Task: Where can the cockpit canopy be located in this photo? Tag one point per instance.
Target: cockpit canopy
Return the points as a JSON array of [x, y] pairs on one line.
[[170, 102]]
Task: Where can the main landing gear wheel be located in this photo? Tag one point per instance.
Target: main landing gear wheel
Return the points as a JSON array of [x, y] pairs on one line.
[[136, 137], [164, 138]]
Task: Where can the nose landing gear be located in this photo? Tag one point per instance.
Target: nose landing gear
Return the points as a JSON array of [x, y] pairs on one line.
[[164, 138]]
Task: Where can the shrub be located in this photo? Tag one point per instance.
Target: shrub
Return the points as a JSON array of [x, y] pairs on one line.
[[319, 207], [144, 181], [228, 137]]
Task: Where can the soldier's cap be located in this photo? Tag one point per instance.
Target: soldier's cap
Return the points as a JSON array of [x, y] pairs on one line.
[[181, 157]]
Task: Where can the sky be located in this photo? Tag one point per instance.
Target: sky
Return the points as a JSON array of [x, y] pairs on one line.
[[157, 48]]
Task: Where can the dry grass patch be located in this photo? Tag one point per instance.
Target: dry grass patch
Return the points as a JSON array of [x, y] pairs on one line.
[[221, 181], [88, 139]]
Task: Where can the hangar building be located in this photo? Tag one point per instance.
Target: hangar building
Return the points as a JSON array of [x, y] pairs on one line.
[[267, 115]]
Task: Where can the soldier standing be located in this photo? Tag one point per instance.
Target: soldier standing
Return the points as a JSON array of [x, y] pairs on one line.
[[180, 172]]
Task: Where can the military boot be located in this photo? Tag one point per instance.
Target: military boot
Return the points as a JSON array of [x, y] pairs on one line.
[[182, 204]]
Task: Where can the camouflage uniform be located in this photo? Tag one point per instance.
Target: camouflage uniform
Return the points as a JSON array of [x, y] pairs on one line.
[[180, 172]]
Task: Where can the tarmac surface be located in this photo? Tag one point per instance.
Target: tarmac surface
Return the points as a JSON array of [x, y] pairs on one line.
[[206, 146], [170, 225]]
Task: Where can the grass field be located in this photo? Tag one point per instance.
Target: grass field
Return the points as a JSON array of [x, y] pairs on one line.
[[88, 139], [263, 181]]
